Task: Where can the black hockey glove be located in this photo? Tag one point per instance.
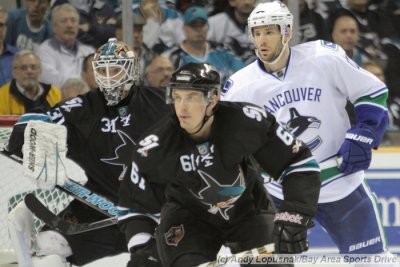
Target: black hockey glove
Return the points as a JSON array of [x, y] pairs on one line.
[[145, 256], [290, 232]]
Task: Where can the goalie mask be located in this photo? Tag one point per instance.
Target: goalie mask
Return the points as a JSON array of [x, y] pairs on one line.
[[195, 76], [115, 69], [272, 13]]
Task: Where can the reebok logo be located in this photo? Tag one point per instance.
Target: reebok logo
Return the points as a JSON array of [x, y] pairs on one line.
[[287, 217], [360, 138]]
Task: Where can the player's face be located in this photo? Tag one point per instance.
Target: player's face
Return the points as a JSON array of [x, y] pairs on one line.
[[190, 108], [268, 41]]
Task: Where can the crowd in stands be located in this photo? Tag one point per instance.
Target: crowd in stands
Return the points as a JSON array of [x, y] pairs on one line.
[[63, 35]]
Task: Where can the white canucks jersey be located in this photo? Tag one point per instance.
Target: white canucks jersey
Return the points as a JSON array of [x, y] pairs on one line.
[[310, 98]]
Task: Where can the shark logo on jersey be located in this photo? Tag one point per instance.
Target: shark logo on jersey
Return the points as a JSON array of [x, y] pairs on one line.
[[122, 154], [220, 198], [298, 124]]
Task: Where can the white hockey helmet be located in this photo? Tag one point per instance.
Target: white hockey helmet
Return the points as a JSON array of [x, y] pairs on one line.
[[272, 13], [115, 69]]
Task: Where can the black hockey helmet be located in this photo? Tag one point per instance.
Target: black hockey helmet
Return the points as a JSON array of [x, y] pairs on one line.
[[195, 76]]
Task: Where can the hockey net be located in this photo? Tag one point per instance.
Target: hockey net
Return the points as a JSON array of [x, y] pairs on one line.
[[14, 186]]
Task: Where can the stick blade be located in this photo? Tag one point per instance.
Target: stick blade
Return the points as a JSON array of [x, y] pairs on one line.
[[41, 211]]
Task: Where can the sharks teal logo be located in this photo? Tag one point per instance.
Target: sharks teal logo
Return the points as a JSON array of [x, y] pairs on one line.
[[220, 198], [122, 154], [298, 124]]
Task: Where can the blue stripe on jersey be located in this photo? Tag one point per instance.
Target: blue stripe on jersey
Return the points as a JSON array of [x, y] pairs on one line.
[[32, 117]]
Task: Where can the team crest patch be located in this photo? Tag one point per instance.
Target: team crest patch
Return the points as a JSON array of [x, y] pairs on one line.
[[203, 148], [123, 111], [174, 235], [228, 84], [329, 45]]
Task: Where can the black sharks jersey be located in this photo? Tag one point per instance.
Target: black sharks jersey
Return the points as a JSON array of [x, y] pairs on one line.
[[101, 138], [214, 178]]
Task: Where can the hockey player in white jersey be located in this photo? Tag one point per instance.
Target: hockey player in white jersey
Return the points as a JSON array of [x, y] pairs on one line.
[[306, 88]]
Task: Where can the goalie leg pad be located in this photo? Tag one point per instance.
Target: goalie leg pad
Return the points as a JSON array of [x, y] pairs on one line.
[[21, 229], [51, 260], [51, 242]]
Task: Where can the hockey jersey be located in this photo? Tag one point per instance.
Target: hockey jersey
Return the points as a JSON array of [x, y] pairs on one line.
[[213, 178], [309, 98], [101, 138]]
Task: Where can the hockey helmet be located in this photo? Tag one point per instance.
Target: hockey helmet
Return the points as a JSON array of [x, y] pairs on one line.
[[115, 69], [272, 13], [195, 76]]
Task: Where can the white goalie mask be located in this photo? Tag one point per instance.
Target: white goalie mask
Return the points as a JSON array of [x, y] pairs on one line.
[[272, 13], [115, 69]]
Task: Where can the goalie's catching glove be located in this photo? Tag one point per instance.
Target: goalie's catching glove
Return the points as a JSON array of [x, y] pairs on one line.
[[145, 256], [290, 232], [356, 149]]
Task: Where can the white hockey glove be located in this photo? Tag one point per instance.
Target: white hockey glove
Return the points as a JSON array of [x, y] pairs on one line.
[[44, 150]]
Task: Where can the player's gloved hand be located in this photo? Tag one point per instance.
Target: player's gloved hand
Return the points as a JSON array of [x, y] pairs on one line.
[[356, 149], [145, 256], [290, 232]]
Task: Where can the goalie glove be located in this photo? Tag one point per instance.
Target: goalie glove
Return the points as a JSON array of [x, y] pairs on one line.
[[290, 232], [44, 153], [356, 149], [145, 255]]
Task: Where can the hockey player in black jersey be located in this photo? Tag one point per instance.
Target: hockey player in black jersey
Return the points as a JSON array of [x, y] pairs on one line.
[[102, 129], [201, 156]]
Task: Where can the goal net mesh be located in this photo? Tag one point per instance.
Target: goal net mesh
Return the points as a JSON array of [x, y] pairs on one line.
[[14, 186]]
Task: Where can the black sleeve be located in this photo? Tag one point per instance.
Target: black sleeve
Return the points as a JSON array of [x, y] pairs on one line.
[[17, 140], [288, 159]]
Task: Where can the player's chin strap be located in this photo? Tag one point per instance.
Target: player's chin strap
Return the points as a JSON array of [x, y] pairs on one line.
[[205, 119], [284, 46]]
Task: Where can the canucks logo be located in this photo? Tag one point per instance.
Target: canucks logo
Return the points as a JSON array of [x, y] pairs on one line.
[[228, 84], [220, 198], [298, 124]]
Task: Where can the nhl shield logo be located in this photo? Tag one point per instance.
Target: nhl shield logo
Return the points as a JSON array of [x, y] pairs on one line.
[[174, 235]]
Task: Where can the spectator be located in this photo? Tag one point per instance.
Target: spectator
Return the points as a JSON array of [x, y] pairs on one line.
[[7, 52], [28, 27], [72, 88], [393, 101], [343, 28], [311, 24], [230, 27], [196, 49], [163, 25], [144, 54], [25, 92], [159, 72], [373, 27], [96, 20], [87, 73], [62, 55]]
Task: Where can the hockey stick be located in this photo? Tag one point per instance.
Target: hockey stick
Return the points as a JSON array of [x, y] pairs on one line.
[[79, 192], [57, 223], [245, 256]]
